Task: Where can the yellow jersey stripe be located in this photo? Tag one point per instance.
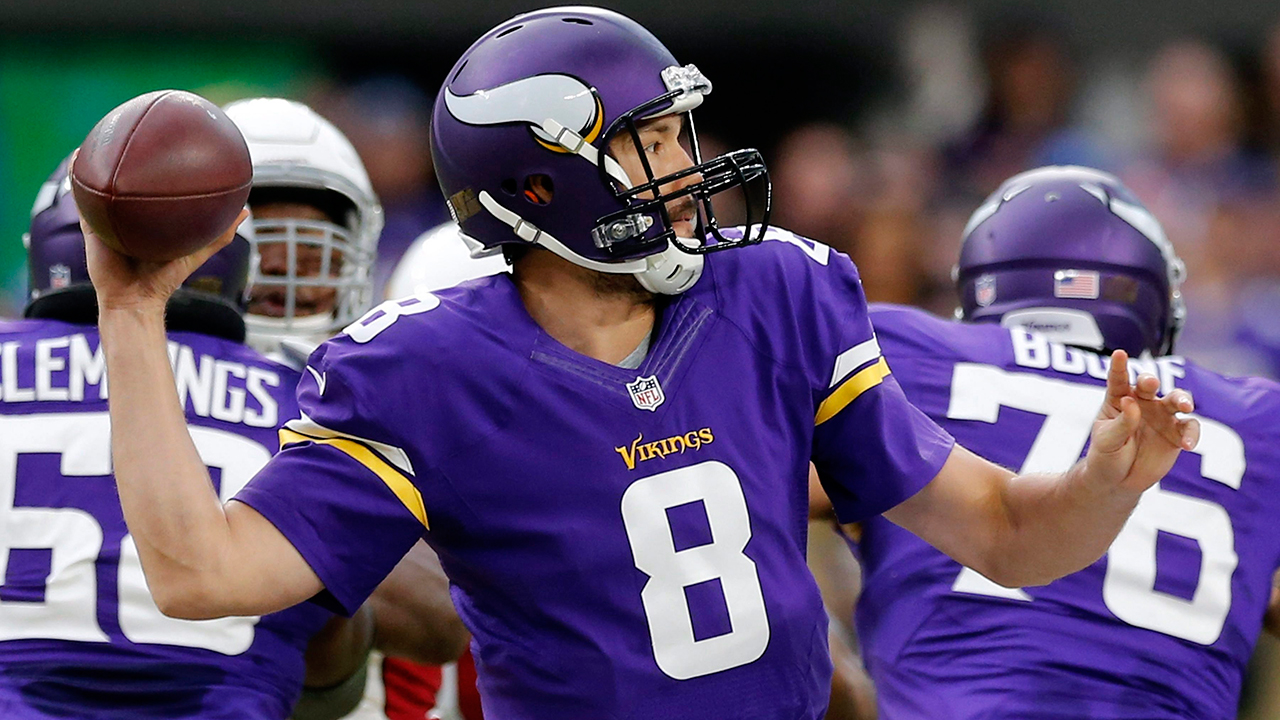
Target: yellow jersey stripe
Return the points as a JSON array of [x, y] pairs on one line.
[[399, 484], [862, 381]]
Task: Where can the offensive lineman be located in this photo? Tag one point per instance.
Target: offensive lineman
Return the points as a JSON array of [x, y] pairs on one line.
[[1164, 624], [609, 447], [80, 635]]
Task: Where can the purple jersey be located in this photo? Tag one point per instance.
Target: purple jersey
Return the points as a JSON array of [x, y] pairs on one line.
[[1160, 628], [80, 635], [622, 543]]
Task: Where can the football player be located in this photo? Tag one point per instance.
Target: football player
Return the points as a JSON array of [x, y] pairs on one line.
[[1059, 265], [316, 226], [80, 635], [608, 447]]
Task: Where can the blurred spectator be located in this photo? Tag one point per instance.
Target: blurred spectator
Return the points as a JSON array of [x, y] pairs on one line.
[[945, 84], [1215, 197], [387, 119], [820, 184], [1031, 80], [867, 203]]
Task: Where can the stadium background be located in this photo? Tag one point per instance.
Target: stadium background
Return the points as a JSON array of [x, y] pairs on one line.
[[884, 123]]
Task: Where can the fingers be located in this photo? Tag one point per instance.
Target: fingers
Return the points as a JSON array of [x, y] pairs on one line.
[[1189, 430], [1111, 435], [1147, 387], [1179, 401], [1118, 378]]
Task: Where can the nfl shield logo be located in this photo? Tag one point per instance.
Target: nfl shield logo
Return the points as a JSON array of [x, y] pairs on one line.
[[984, 291], [646, 393]]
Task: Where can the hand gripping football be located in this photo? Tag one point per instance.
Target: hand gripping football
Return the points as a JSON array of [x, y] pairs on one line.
[[162, 176]]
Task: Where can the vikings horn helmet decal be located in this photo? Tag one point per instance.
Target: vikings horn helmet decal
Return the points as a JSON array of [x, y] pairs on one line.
[[542, 96], [562, 98]]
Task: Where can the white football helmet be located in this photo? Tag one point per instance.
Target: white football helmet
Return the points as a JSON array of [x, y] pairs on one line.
[[294, 150], [439, 259]]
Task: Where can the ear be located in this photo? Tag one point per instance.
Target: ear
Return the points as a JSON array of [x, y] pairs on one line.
[[539, 189]]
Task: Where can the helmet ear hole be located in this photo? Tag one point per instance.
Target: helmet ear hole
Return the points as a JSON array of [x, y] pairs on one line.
[[539, 189], [509, 186]]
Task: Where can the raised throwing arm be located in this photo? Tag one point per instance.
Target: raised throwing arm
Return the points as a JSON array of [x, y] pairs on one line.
[[1033, 529]]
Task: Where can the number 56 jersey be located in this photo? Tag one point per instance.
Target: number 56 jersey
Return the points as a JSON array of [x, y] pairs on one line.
[[80, 636], [621, 543], [1160, 628]]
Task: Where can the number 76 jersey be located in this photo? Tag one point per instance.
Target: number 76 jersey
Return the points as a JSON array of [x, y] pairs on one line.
[[1160, 628]]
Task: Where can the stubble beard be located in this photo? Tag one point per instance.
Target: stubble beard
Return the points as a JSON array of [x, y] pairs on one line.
[[622, 285]]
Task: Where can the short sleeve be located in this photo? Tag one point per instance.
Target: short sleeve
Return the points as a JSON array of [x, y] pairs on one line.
[[341, 490], [872, 447]]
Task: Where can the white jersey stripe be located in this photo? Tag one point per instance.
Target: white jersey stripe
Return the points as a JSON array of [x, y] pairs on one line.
[[392, 454], [854, 358]]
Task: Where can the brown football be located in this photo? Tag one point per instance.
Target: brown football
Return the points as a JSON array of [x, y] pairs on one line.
[[162, 175]]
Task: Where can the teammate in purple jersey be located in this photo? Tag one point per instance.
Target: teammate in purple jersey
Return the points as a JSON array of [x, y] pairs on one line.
[[79, 633], [608, 447], [1163, 625]]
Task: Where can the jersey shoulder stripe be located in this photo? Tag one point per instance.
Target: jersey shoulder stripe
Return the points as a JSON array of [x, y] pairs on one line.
[[389, 463], [862, 381]]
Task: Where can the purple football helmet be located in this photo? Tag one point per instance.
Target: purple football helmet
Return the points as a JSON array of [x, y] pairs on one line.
[[543, 94], [1069, 251], [211, 301]]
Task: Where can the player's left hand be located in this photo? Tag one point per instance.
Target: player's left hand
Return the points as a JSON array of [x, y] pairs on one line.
[[1138, 435]]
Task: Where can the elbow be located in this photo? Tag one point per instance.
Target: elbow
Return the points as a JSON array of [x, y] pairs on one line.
[[449, 645], [185, 603], [1014, 567]]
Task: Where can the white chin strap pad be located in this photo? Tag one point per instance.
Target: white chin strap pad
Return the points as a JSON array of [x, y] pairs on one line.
[[671, 271]]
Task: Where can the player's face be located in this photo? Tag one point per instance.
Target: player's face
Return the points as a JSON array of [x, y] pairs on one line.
[[663, 143], [269, 300]]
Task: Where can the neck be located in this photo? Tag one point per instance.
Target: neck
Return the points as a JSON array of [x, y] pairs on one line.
[[596, 314]]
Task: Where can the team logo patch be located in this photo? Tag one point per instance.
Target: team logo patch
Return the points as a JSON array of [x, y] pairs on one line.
[[984, 291], [646, 393], [1077, 284], [59, 276]]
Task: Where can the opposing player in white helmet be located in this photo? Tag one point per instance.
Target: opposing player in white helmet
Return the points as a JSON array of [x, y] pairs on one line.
[[439, 258], [317, 222]]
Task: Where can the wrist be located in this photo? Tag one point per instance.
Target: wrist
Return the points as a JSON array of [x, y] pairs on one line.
[[128, 321], [1088, 479]]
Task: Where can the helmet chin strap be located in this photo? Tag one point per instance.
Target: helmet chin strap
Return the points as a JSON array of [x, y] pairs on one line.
[[669, 272]]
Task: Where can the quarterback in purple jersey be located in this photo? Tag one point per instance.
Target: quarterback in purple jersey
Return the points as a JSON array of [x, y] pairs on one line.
[[79, 633], [608, 447], [1058, 264]]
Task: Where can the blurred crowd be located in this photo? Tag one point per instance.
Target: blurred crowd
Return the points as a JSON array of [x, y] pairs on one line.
[[1193, 126], [1193, 129]]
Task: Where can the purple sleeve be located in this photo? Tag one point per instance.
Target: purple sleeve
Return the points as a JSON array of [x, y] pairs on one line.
[[873, 449], [340, 491]]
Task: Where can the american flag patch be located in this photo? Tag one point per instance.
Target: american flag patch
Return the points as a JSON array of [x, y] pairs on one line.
[[1078, 284]]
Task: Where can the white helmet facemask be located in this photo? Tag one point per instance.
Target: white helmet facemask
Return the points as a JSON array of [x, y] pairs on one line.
[[344, 267], [299, 155]]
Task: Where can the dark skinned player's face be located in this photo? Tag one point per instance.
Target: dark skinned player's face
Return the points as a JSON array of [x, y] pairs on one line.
[[269, 300]]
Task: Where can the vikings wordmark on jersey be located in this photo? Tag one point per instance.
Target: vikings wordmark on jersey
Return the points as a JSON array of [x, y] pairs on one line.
[[610, 560], [79, 632], [1160, 628]]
